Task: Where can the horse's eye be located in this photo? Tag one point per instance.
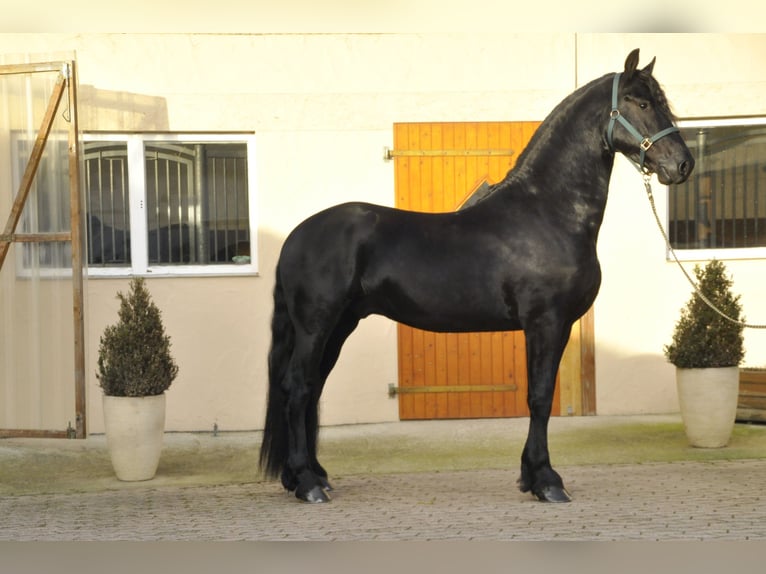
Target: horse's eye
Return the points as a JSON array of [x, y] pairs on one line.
[[643, 105]]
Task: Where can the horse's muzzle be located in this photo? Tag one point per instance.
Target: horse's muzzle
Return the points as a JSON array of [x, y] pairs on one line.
[[674, 174]]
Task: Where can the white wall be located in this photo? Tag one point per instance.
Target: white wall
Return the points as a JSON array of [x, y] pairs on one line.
[[322, 106]]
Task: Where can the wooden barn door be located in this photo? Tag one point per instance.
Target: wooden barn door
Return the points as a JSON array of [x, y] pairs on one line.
[[437, 166]]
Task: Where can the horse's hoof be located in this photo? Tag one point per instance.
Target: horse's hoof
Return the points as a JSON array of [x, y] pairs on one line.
[[553, 494], [326, 484], [523, 485], [314, 496]]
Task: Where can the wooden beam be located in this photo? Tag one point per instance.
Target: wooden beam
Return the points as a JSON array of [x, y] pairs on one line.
[[37, 67], [75, 203], [31, 433], [36, 237]]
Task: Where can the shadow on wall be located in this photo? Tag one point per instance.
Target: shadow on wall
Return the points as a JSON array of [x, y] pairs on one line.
[[106, 110]]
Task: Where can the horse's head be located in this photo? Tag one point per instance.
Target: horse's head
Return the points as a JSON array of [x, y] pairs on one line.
[[642, 127]]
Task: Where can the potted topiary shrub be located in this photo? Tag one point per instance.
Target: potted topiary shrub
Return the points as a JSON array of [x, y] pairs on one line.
[[135, 368], [707, 349]]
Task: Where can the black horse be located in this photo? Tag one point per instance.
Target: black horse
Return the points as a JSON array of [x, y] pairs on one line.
[[521, 257]]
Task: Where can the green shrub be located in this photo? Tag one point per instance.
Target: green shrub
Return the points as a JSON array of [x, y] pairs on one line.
[[134, 357], [702, 338]]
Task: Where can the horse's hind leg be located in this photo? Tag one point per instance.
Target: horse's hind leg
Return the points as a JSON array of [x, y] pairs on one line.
[[302, 383], [345, 327], [545, 346]]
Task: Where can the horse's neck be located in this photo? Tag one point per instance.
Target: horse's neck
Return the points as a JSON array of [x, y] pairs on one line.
[[566, 162], [569, 145]]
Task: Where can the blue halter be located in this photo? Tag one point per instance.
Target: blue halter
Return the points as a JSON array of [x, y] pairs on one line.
[[645, 142]]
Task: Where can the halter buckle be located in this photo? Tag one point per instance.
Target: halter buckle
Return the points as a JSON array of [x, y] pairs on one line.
[[614, 114], [646, 144]]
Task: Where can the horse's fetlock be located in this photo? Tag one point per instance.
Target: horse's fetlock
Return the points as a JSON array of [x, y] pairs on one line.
[[288, 480]]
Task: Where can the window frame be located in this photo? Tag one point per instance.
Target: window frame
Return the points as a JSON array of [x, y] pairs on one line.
[[139, 265], [721, 253]]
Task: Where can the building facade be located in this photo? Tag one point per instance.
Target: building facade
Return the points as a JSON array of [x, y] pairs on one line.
[[308, 116]]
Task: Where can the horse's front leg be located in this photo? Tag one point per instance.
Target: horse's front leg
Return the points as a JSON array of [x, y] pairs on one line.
[[545, 346]]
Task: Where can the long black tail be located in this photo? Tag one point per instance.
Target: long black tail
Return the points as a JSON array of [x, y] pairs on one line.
[[274, 448]]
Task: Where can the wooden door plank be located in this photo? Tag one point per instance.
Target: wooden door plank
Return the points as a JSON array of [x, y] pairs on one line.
[[406, 410], [448, 403], [417, 203], [452, 350], [497, 375], [401, 168], [437, 403], [404, 200], [569, 372], [483, 341], [431, 184], [474, 372], [520, 362], [509, 373], [588, 363], [448, 167], [496, 169]]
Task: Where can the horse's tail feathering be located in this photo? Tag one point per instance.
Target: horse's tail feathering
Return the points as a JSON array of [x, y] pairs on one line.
[[274, 448]]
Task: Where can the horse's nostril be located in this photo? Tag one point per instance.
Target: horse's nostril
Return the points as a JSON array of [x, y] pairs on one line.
[[686, 167]]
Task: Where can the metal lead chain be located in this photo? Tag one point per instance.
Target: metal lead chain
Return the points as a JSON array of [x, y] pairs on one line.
[[648, 186]]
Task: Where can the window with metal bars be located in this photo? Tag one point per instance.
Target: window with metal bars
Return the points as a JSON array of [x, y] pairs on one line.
[[723, 204], [169, 204]]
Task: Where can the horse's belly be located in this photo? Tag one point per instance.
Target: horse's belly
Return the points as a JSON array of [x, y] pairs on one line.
[[467, 325], [444, 316]]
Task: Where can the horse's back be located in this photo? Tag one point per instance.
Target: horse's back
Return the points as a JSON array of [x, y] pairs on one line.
[[473, 270]]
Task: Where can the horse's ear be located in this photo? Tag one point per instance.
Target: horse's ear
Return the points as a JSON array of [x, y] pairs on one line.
[[650, 67], [631, 63]]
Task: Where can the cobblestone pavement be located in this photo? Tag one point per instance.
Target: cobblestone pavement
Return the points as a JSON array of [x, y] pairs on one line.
[[658, 501]]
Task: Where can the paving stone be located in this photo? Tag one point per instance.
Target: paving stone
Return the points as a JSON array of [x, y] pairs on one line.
[[661, 501]]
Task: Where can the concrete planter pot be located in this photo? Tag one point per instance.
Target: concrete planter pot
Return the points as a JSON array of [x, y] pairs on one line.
[[134, 431], [708, 400]]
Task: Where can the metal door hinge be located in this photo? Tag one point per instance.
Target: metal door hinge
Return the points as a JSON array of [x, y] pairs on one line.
[[393, 390]]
